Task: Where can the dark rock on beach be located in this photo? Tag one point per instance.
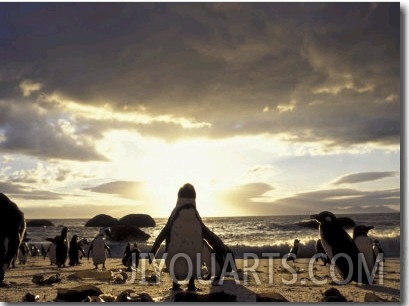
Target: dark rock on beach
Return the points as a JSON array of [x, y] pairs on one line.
[[128, 233], [137, 220], [77, 294], [101, 220], [39, 222]]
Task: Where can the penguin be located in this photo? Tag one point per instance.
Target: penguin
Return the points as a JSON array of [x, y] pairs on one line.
[[319, 249], [127, 259], [12, 230], [99, 248], [74, 251], [23, 252], [61, 248], [186, 234], [337, 242], [377, 249], [364, 244], [294, 251], [52, 250]]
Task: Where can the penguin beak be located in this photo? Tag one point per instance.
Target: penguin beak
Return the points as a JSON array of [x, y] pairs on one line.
[[314, 217]]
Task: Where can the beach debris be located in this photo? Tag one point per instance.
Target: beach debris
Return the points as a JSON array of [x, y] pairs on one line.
[[271, 297], [130, 296], [333, 295], [77, 294], [187, 296], [29, 297], [40, 279]]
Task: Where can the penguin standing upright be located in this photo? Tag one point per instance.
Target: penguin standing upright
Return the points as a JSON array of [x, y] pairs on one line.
[[98, 247], [61, 248], [12, 229], [51, 250], [377, 249], [294, 251], [127, 259], [337, 242], [364, 244], [23, 252], [185, 236], [75, 251]]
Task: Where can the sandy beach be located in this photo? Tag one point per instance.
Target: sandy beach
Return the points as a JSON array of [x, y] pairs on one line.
[[257, 280]]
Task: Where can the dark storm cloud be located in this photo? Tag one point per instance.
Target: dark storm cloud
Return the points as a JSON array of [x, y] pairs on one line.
[[320, 71], [365, 177], [126, 189]]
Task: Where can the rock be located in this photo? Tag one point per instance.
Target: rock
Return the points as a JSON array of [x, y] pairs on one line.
[[39, 222], [333, 295], [137, 220], [101, 220], [77, 294], [128, 233], [30, 297], [271, 297]]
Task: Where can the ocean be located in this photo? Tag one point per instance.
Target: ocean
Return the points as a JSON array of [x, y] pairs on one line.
[[257, 235]]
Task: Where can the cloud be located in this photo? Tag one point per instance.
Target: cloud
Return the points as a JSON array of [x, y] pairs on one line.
[[364, 177], [212, 64], [23, 192], [252, 200], [31, 130], [125, 189]]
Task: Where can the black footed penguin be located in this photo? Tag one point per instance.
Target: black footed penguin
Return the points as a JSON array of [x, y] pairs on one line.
[[186, 239], [74, 252], [337, 242], [364, 244], [294, 251], [127, 258], [319, 249], [61, 248], [12, 229], [99, 248], [377, 249]]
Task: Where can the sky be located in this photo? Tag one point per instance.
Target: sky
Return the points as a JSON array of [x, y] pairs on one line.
[[266, 108]]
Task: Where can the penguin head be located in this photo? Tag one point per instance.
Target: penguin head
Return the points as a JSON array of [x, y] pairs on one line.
[[296, 242], [105, 231], [362, 230], [325, 217], [187, 191]]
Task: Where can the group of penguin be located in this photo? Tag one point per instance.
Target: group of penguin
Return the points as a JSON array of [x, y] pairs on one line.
[[60, 250], [185, 233], [346, 251]]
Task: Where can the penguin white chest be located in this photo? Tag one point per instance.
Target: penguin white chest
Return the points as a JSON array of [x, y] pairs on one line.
[[185, 244], [327, 247]]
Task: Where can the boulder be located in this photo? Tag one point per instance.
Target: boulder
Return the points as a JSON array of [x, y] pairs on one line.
[[128, 233], [101, 220], [137, 220], [39, 222]]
